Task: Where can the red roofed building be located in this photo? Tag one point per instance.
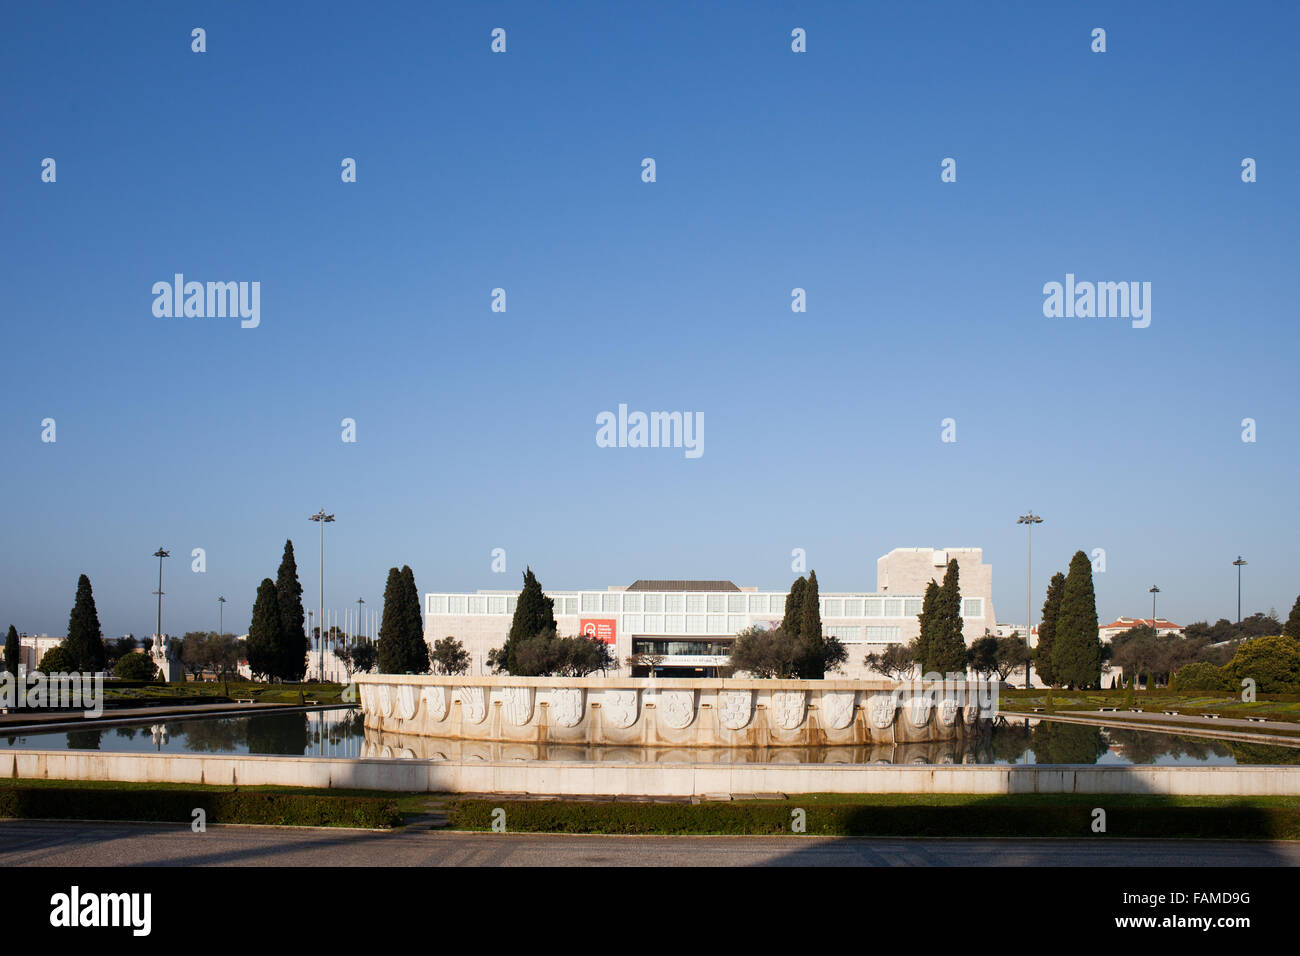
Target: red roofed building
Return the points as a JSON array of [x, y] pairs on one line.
[[1122, 624]]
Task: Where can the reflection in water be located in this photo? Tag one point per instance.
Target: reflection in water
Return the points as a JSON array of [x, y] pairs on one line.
[[340, 733]]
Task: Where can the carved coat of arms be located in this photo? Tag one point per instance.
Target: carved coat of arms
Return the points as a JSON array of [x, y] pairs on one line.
[[787, 708], [947, 712], [677, 707], [407, 702], [435, 702], [619, 708], [733, 708], [918, 710], [473, 704], [518, 704], [837, 708], [881, 708], [566, 706]]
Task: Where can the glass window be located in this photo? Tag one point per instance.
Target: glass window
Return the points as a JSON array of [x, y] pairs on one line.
[[632, 623], [654, 623], [695, 624], [497, 604], [571, 605], [736, 603], [655, 603], [758, 604], [674, 623], [695, 603], [590, 602], [609, 603], [871, 607], [510, 604], [883, 635], [717, 624], [674, 603], [456, 603], [631, 602], [834, 607], [735, 623], [912, 607], [437, 604], [477, 604], [846, 633], [893, 607], [853, 607], [717, 603], [778, 604], [973, 607]]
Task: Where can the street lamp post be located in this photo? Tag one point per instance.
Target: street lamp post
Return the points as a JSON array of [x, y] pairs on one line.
[[221, 616], [1029, 520], [1240, 563], [1153, 591], [160, 554], [321, 517]]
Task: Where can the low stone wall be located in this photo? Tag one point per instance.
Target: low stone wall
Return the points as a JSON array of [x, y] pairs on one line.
[[631, 712], [594, 779]]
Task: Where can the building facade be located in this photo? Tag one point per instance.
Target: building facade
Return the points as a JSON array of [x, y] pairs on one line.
[[692, 624]]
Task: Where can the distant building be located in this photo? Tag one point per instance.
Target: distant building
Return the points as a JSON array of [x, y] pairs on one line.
[[1122, 624], [690, 625]]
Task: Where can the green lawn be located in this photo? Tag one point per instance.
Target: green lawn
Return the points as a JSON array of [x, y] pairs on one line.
[[1272, 706]]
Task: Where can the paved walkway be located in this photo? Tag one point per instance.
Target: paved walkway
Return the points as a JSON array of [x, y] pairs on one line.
[[36, 843]]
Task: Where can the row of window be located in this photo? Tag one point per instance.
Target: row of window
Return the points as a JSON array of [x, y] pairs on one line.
[[688, 604]]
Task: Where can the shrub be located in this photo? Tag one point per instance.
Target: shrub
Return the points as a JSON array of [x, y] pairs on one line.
[[56, 661], [1272, 662], [135, 666], [1200, 675]]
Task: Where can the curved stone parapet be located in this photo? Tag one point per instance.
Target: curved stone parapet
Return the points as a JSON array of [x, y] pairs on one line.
[[643, 712]]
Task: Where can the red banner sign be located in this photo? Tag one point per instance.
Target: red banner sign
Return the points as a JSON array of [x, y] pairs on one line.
[[602, 629]]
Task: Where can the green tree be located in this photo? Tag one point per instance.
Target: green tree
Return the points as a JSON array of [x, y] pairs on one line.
[[1076, 646], [84, 645], [947, 646], [135, 666], [811, 649], [929, 621], [265, 634], [12, 651], [293, 635], [1047, 630], [402, 649], [1292, 628], [1273, 663], [450, 656], [534, 614], [793, 619], [983, 655], [897, 661], [57, 660]]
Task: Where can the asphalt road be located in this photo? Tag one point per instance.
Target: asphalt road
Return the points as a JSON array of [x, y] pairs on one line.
[[36, 843]]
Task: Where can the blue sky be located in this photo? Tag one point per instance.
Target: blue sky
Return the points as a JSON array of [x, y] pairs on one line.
[[476, 430]]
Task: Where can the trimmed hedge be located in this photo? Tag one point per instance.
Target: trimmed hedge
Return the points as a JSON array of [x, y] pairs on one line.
[[977, 820], [177, 806]]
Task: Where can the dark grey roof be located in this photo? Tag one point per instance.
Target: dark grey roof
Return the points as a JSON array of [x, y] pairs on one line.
[[649, 585]]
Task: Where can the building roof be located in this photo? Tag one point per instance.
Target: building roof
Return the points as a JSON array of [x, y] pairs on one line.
[[645, 584], [1125, 623]]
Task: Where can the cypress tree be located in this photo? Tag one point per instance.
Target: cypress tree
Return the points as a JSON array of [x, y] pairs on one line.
[[391, 658], [1076, 647], [948, 648], [417, 651], [1047, 631], [12, 651], [85, 641], [810, 653], [534, 613], [294, 643], [792, 623], [928, 619], [265, 637], [1291, 629]]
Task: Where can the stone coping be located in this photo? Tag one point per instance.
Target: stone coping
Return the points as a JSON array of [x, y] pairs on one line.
[[651, 683]]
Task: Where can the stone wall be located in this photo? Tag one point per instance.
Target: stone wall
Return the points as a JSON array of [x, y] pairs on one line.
[[631, 712]]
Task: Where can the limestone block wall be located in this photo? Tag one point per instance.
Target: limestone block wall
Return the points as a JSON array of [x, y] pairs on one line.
[[632, 712]]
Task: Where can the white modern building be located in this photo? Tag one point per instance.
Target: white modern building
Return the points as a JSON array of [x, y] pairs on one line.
[[691, 624]]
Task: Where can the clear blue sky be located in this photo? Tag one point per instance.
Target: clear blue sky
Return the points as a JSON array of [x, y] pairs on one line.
[[476, 430]]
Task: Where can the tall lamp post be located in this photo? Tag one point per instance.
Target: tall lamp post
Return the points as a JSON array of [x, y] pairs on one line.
[[1029, 520], [160, 554], [1240, 563], [321, 517], [1153, 591], [221, 616]]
